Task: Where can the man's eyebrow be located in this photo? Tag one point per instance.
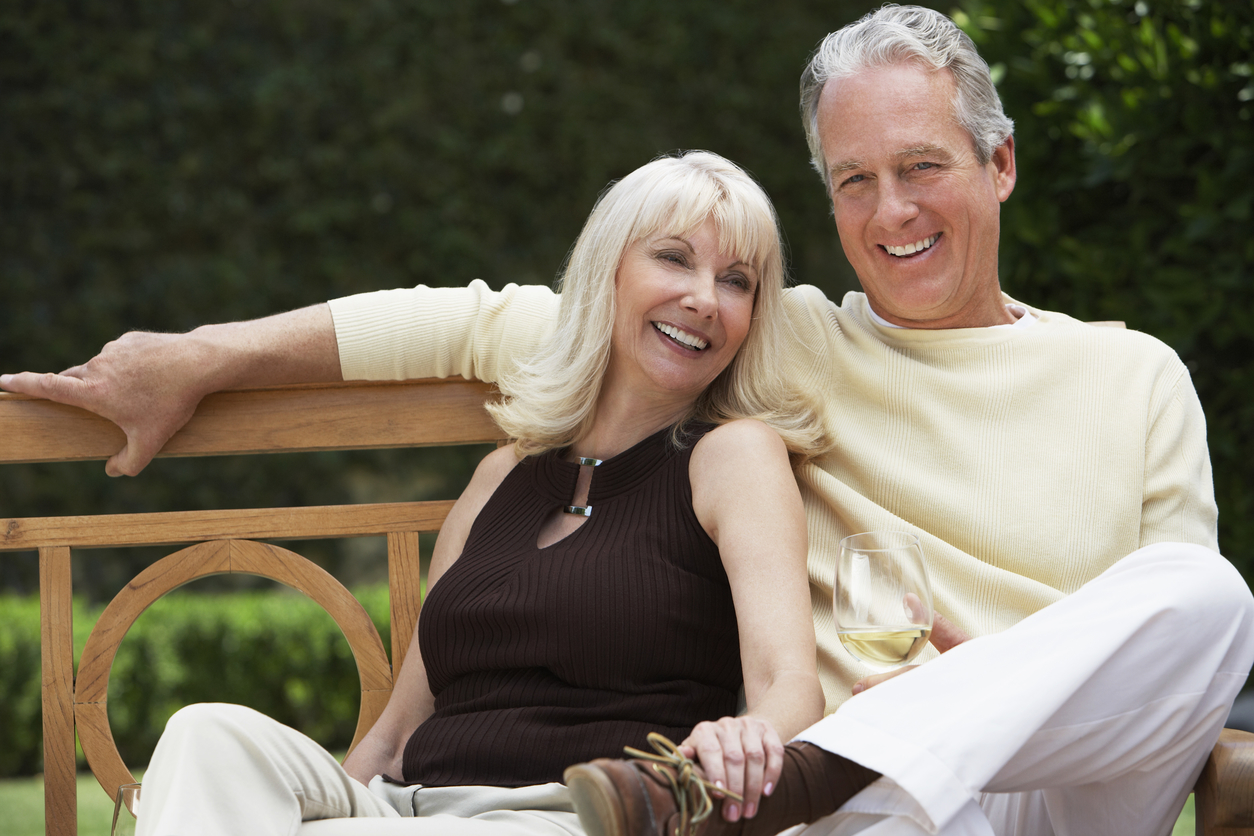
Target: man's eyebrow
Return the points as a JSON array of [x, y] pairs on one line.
[[904, 153], [847, 165], [921, 151]]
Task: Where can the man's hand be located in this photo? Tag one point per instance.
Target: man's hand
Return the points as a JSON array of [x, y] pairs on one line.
[[944, 637], [147, 384], [150, 384]]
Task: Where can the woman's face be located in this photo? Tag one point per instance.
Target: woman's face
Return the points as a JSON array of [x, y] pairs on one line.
[[683, 310]]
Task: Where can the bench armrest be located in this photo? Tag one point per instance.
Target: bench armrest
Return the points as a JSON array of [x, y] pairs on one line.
[[1224, 796]]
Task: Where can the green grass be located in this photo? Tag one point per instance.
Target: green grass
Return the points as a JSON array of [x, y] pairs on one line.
[[22, 799]]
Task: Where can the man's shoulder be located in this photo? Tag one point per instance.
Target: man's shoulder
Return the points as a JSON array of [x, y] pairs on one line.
[[1119, 345], [805, 301], [1060, 324]]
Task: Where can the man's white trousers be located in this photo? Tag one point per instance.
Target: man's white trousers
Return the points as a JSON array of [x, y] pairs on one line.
[[1093, 716]]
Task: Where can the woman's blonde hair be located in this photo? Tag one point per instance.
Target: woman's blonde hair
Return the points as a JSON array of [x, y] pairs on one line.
[[550, 401]]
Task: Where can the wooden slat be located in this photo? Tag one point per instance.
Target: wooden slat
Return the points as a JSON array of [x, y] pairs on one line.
[[1225, 790], [166, 574], [56, 640], [91, 690], [405, 585], [340, 416], [100, 748], [171, 527], [303, 575]]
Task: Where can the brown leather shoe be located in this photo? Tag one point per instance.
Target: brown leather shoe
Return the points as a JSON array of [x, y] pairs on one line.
[[648, 794], [667, 795]]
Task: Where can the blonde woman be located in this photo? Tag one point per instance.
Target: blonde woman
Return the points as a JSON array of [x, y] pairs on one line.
[[629, 564]]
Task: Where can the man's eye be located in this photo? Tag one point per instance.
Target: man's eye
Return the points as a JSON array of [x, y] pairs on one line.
[[853, 180]]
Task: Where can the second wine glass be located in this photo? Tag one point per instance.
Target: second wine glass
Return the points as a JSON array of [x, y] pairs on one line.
[[125, 810], [882, 600]]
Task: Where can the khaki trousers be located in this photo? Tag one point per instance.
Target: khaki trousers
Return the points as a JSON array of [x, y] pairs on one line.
[[226, 770]]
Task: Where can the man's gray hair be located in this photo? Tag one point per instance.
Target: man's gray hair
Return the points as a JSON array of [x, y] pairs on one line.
[[897, 34]]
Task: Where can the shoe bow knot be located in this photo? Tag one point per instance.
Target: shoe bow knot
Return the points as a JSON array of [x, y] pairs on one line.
[[691, 790]]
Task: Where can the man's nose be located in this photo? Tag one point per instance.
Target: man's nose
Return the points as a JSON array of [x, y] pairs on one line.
[[895, 205]]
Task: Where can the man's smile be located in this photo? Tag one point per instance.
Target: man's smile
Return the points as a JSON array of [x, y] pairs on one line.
[[911, 249]]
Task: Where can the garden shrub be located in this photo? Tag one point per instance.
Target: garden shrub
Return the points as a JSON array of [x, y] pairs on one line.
[[275, 651]]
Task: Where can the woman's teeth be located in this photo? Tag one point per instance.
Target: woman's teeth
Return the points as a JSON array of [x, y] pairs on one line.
[[681, 337]]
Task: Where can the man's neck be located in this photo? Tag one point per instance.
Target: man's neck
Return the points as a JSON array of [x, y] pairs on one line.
[[1017, 316]]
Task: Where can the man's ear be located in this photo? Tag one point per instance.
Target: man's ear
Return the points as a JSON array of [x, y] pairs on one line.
[[1003, 163]]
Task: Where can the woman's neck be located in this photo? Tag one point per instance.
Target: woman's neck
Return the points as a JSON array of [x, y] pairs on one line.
[[622, 422]]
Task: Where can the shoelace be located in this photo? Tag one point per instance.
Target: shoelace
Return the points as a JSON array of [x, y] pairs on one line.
[[691, 791]]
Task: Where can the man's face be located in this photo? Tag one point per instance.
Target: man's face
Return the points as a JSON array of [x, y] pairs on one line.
[[918, 215]]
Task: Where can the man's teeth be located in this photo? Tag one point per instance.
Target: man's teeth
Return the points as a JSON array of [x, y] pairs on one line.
[[681, 336], [911, 249]]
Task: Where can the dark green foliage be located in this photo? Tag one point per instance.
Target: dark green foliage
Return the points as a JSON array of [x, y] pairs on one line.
[[21, 733], [277, 652], [1135, 147], [164, 164], [171, 163]]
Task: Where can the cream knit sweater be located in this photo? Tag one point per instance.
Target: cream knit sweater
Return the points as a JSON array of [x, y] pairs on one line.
[[1028, 460]]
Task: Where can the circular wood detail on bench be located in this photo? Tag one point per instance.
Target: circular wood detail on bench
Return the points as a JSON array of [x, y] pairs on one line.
[[91, 687]]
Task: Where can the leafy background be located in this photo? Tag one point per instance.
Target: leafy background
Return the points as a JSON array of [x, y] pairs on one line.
[[164, 164]]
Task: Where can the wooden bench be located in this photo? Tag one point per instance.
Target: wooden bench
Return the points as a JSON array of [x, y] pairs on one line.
[[290, 419]]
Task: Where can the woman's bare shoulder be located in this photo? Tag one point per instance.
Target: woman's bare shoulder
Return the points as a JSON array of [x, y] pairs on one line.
[[743, 440]]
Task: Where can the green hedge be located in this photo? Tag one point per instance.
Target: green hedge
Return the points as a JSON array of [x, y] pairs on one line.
[[168, 162], [277, 652], [1135, 200]]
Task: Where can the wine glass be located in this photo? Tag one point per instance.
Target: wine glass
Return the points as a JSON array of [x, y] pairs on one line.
[[883, 602], [125, 809]]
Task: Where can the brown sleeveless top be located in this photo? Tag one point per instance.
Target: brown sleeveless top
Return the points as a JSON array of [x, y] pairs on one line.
[[544, 658]]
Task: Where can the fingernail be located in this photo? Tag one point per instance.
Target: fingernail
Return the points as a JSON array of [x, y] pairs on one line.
[[719, 784], [751, 810], [768, 789], [5, 378], [857, 689], [733, 813]]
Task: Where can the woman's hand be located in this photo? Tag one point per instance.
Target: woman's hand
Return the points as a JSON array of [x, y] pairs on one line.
[[740, 754]]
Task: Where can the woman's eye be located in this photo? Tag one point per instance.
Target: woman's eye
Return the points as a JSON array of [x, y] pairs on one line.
[[739, 282], [673, 258]]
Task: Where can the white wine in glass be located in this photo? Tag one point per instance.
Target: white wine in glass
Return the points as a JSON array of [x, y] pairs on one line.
[[882, 600]]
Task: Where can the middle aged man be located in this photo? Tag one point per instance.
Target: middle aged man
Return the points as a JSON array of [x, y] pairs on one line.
[[1056, 473]]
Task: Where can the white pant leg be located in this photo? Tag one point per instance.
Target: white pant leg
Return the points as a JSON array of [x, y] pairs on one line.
[[1106, 702], [223, 770]]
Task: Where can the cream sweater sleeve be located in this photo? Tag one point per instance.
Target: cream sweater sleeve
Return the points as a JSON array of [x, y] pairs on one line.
[[1179, 495], [419, 332]]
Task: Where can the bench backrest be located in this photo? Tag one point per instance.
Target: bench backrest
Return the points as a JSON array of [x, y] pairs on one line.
[[283, 419]]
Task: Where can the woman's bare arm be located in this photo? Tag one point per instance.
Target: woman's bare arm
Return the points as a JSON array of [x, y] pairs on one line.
[[745, 495]]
